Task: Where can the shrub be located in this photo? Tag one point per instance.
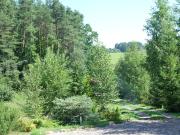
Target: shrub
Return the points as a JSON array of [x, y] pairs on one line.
[[113, 115], [73, 109], [25, 124], [46, 123], [93, 119], [5, 90], [8, 118]]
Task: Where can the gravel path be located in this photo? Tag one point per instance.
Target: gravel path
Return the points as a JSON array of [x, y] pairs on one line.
[[169, 126]]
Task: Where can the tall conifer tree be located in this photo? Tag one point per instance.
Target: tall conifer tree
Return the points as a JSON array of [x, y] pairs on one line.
[[162, 56]]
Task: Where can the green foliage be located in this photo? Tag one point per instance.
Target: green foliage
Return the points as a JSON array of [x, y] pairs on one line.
[[45, 123], [46, 80], [115, 58], [134, 80], [25, 124], [72, 109], [113, 115], [123, 47], [5, 89], [7, 38], [25, 50], [8, 118], [162, 57], [101, 78], [78, 71]]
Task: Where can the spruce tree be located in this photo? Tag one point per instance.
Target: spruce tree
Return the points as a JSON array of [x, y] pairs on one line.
[[162, 58]]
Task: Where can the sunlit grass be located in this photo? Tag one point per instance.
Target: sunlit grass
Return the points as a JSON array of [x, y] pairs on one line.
[[115, 57]]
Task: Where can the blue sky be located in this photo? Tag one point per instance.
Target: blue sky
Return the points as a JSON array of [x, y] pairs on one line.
[[115, 20]]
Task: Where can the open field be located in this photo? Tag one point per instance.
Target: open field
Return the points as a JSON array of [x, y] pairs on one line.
[[115, 57]]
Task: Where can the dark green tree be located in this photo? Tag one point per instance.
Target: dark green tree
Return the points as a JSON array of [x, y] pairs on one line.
[[45, 36], [26, 31], [162, 58], [8, 60]]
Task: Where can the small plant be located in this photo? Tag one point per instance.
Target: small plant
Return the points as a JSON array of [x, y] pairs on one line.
[[8, 118]]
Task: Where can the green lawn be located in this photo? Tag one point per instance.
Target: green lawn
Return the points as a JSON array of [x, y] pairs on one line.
[[115, 57]]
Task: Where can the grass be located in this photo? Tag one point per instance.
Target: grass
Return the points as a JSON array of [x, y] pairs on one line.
[[19, 133], [115, 57], [131, 111]]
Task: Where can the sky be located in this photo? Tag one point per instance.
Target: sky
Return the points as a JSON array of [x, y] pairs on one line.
[[115, 20]]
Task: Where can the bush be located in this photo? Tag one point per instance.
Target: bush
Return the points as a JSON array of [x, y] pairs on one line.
[[5, 90], [45, 123], [25, 124], [93, 119], [8, 118], [113, 115], [72, 110]]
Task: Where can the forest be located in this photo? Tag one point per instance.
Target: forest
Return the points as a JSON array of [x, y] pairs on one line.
[[55, 73]]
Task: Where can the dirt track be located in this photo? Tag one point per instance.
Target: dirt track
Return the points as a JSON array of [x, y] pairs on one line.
[[140, 127]]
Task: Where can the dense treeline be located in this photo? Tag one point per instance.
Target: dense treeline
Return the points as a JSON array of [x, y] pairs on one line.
[[50, 55], [53, 68], [124, 46]]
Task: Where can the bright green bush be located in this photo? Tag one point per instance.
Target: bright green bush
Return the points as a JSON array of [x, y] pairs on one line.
[[8, 118], [45, 123], [46, 80], [73, 109], [25, 124]]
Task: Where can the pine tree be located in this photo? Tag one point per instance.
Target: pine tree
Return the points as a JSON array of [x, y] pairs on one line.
[[45, 37], [162, 58], [58, 15], [26, 31]]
